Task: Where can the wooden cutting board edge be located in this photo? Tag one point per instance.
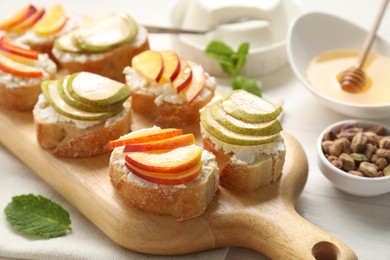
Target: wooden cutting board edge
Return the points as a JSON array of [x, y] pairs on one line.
[[213, 229]]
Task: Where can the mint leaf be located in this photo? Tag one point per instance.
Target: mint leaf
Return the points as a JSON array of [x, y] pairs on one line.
[[231, 62], [36, 216], [250, 85]]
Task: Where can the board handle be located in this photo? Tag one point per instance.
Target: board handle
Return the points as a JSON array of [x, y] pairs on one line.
[[295, 238]]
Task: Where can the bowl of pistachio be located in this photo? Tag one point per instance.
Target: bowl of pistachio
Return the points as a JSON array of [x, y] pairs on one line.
[[355, 156]]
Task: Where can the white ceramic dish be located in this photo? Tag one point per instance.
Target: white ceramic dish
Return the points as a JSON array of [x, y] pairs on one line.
[[314, 33], [260, 60], [355, 185]]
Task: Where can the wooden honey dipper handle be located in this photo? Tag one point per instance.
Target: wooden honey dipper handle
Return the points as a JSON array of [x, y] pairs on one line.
[[372, 34], [354, 78]]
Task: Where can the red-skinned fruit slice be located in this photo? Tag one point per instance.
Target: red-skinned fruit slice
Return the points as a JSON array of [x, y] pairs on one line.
[[29, 22], [52, 22], [165, 144], [148, 135], [150, 64], [184, 78], [171, 66], [167, 179], [172, 161], [7, 46], [18, 69], [19, 17], [197, 82]]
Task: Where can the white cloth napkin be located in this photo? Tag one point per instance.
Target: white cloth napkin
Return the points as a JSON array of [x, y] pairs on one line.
[[85, 241]]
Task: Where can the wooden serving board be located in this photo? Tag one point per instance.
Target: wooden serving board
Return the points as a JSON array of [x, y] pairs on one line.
[[264, 220]]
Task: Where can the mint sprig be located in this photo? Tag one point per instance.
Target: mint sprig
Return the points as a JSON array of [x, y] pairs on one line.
[[231, 63], [36, 216]]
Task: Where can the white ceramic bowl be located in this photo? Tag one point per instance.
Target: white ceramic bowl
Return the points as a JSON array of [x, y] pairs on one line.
[[355, 185], [314, 33], [260, 60]]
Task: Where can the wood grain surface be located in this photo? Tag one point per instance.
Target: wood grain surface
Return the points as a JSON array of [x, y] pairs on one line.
[[264, 220]]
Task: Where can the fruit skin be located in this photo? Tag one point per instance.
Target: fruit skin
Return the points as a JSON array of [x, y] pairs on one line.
[[53, 96], [183, 78], [150, 64], [52, 22], [166, 178], [171, 66], [225, 135], [165, 144], [241, 127], [197, 83], [125, 25], [19, 17], [120, 95], [7, 46], [28, 23], [238, 102], [62, 87], [172, 161], [18, 69], [145, 136]]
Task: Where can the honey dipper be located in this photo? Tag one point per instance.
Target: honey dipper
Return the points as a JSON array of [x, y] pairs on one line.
[[354, 79]]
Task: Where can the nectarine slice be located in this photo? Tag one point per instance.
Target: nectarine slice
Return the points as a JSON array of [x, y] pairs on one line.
[[166, 178], [19, 17], [29, 22], [184, 78], [52, 22], [197, 83], [177, 160], [171, 66], [165, 144], [145, 136], [18, 69], [7, 46], [150, 64]]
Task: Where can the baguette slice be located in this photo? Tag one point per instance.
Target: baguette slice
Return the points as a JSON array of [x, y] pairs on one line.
[[183, 201], [21, 98], [109, 64], [67, 139], [267, 168]]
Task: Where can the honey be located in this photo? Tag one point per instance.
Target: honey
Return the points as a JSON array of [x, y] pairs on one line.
[[325, 70]]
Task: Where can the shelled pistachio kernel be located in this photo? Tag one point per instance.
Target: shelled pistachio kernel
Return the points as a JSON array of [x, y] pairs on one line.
[[357, 150]]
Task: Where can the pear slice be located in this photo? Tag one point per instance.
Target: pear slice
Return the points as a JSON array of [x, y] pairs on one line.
[[106, 33], [250, 108], [225, 135], [62, 87], [65, 42], [53, 96], [96, 90], [265, 128]]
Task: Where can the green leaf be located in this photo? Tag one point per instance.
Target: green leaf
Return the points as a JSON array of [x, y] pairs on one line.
[[217, 48], [250, 85], [36, 216]]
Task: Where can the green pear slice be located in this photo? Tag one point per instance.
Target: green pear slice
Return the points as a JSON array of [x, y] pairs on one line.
[[241, 127], [106, 33], [53, 96], [250, 108], [62, 86], [96, 90], [225, 135], [65, 42]]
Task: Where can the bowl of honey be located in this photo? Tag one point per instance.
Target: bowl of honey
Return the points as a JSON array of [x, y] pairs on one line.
[[321, 47]]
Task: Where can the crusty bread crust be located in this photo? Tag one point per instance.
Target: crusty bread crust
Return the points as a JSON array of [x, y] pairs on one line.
[[110, 65], [182, 202], [168, 114], [21, 98], [65, 139], [266, 169]]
